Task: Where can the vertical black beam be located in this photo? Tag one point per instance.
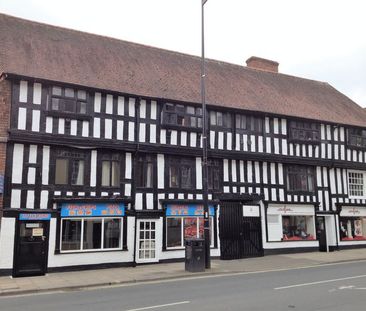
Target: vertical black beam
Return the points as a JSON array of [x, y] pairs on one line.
[[204, 147]]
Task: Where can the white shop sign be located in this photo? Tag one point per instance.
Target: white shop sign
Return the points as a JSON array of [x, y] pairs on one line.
[[289, 209], [251, 211], [353, 211]]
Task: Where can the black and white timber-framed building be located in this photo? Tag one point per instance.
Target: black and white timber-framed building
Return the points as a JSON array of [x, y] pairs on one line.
[[100, 151]]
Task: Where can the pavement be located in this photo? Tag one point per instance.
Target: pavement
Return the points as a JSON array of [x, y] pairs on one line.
[[77, 280]]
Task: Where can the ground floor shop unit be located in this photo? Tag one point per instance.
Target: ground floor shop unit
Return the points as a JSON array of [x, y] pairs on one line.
[[91, 234]]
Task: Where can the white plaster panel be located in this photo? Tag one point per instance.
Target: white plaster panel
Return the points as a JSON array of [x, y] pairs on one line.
[[7, 237], [143, 109], [15, 198], [153, 109], [49, 124], [128, 165], [93, 168], [31, 179], [85, 129], [30, 199], [97, 102], [108, 129], [45, 164], [131, 131], [73, 127], [44, 199], [160, 164], [61, 126], [37, 93], [199, 173], [22, 118], [17, 167], [23, 92], [36, 115], [149, 200], [131, 107], [109, 104], [119, 130], [142, 133], [121, 106], [153, 133]]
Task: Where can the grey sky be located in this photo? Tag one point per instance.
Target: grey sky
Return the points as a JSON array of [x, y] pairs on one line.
[[316, 39]]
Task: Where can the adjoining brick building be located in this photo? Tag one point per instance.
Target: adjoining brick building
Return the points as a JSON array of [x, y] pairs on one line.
[[100, 153]]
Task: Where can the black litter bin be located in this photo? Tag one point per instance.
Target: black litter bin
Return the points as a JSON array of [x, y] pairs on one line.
[[195, 255]]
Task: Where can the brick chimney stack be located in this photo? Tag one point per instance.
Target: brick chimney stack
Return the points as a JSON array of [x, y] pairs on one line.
[[262, 64]]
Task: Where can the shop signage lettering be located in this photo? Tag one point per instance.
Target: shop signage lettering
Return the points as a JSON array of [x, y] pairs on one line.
[[187, 210], [38, 216], [285, 209], [92, 209], [354, 211]]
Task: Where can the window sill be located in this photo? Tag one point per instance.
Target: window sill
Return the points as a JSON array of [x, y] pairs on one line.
[[181, 128], [181, 249], [306, 142], [93, 251], [68, 115]]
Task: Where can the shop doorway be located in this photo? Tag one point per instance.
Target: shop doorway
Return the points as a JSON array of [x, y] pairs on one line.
[[240, 235], [31, 245], [146, 241], [321, 233]]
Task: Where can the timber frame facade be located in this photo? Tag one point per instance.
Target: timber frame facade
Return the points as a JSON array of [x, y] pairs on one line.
[[95, 176]]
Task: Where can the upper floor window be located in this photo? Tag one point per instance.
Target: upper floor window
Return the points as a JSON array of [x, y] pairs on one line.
[[356, 184], [181, 172], [357, 137], [300, 178], [249, 124], [220, 119], [304, 131], [68, 100], [70, 168], [144, 171], [180, 115], [111, 170], [214, 175]]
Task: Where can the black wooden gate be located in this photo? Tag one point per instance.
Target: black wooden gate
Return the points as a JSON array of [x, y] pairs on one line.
[[240, 237]]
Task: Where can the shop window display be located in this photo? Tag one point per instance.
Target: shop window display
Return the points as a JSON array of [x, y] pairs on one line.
[[296, 228], [352, 228], [181, 228]]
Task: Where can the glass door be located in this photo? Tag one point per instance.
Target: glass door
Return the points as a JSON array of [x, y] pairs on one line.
[[146, 241]]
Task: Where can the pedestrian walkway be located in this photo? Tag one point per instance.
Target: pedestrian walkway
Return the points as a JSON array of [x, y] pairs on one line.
[[64, 281]]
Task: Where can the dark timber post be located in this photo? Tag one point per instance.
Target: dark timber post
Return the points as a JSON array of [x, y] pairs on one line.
[[204, 148]]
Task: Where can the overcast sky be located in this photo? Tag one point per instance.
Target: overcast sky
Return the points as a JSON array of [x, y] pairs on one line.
[[323, 40]]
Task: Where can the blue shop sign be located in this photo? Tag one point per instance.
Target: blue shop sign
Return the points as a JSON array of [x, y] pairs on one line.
[[38, 216], [92, 209], [187, 210]]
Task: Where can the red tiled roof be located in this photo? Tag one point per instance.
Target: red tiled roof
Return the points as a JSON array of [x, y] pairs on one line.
[[53, 53]]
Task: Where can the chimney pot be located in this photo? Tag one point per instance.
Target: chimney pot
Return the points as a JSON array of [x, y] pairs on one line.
[[258, 63]]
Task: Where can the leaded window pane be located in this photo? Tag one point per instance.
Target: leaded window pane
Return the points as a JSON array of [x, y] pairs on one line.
[[77, 173], [61, 171]]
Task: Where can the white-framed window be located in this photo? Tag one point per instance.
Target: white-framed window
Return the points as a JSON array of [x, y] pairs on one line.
[[180, 228], [356, 184], [91, 234]]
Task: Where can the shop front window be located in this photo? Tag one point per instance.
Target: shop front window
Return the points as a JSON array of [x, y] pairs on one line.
[[181, 228], [91, 234], [297, 228], [352, 228]]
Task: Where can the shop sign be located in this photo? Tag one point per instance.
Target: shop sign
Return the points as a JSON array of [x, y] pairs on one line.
[[187, 210], [37, 232], [287, 209], [251, 211], [351, 211], [92, 209], [38, 216]]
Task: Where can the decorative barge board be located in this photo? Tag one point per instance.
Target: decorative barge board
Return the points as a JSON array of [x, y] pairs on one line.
[[286, 173]]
